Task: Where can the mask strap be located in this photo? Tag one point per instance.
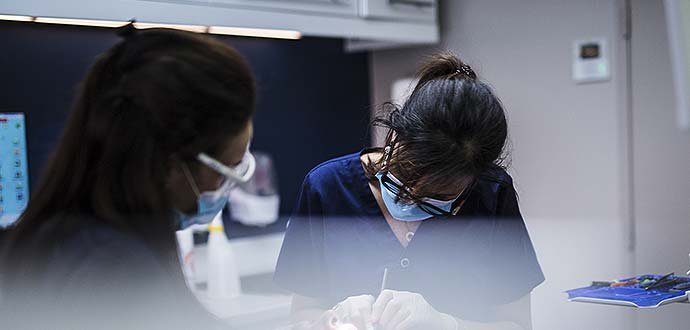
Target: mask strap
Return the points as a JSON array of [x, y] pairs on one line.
[[391, 140], [386, 157], [190, 179]]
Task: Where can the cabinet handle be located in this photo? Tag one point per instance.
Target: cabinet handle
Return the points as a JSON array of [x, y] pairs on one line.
[[417, 3]]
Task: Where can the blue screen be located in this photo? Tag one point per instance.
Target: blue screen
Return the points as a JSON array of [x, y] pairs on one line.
[[14, 177]]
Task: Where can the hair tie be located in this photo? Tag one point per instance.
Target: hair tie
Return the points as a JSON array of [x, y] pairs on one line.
[[467, 71]]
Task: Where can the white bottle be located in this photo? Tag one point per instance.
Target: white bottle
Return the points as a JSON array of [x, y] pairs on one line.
[[185, 243], [223, 277]]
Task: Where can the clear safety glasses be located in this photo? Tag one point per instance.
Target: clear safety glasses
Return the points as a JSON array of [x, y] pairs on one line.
[[241, 173]]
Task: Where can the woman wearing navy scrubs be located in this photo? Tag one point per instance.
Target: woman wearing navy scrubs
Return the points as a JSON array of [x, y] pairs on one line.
[[424, 233]]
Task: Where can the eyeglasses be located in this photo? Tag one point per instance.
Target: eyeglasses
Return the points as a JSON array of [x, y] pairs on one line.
[[241, 173], [397, 188], [401, 192]]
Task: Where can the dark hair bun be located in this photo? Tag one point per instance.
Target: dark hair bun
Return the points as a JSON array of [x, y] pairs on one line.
[[444, 66]]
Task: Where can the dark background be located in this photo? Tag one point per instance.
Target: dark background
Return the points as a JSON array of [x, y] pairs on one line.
[[313, 98]]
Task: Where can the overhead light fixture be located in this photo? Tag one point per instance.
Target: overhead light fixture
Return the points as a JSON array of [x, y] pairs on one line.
[[259, 33], [17, 18], [223, 30], [80, 22]]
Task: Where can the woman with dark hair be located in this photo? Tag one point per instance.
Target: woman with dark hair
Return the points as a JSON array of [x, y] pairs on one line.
[[424, 233], [158, 135]]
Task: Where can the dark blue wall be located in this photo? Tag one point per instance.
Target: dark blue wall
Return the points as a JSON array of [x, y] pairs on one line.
[[313, 101]]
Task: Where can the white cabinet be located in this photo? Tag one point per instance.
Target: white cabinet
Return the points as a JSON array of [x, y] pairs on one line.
[[367, 23], [329, 7], [413, 10]]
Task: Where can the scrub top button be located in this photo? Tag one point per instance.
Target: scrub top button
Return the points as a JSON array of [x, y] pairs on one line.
[[404, 262], [409, 236]]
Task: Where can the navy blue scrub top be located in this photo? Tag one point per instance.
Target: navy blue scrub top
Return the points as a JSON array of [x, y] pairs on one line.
[[338, 243]]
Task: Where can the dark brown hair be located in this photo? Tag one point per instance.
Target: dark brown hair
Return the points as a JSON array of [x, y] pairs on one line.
[[158, 97], [450, 130]]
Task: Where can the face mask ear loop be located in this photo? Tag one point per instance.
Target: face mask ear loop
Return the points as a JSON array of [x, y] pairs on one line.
[[386, 156], [190, 179]]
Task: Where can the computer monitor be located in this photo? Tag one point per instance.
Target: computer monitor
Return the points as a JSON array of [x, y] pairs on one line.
[[14, 174]]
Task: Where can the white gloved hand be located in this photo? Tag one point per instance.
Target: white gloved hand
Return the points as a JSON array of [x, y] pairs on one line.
[[398, 310], [356, 310]]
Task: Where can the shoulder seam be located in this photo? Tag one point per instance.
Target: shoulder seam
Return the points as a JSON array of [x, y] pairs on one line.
[[327, 162]]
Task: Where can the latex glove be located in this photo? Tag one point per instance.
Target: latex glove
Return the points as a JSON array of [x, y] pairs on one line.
[[398, 310], [356, 311]]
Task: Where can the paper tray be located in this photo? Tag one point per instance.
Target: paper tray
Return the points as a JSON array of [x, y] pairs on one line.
[[629, 303], [632, 296]]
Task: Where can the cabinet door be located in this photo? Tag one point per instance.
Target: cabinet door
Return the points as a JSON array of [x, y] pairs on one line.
[[328, 7], [412, 10]]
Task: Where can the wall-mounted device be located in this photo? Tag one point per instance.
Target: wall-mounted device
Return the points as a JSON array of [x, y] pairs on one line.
[[591, 61], [14, 174]]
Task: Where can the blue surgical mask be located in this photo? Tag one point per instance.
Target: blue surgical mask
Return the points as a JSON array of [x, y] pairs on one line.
[[210, 203], [408, 211]]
